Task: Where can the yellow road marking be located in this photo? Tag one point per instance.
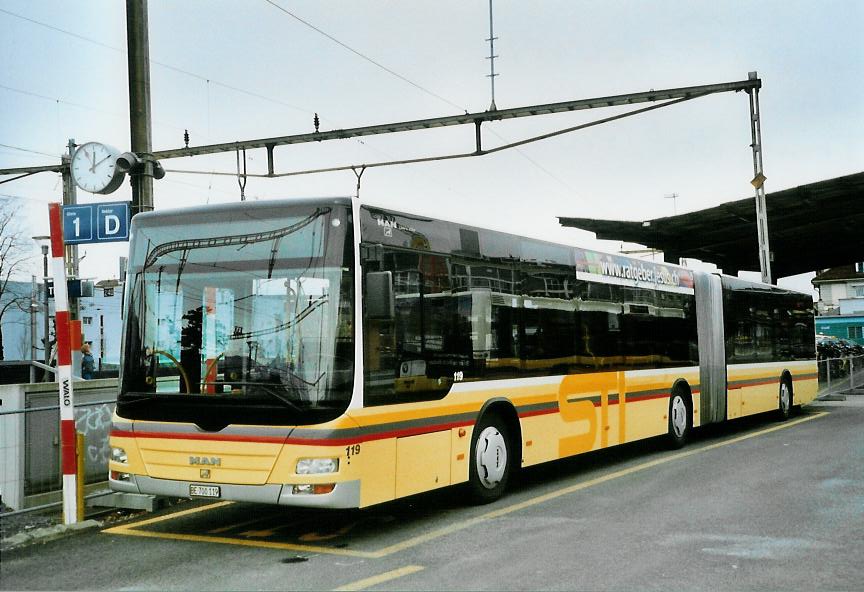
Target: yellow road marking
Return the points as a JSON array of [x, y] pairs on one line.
[[379, 579], [316, 537], [244, 543], [237, 525], [131, 529], [117, 529], [259, 533], [412, 542]]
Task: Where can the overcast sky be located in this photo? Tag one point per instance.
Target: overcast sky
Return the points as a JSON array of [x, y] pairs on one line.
[[249, 69]]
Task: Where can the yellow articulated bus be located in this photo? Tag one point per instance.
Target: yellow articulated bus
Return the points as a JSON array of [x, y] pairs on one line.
[[323, 353]]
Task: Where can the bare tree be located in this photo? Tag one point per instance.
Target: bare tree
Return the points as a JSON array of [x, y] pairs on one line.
[[13, 258]]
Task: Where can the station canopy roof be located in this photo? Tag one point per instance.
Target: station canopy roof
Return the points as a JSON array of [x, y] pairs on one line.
[[810, 227]]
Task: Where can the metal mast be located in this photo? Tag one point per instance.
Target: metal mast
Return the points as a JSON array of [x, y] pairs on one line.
[[137, 39], [491, 76], [759, 182]]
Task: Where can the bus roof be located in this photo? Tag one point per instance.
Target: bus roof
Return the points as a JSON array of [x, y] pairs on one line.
[[398, 229], [203, 214]]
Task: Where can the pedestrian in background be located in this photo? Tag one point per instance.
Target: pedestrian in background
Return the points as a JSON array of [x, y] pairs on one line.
[[87, 362]]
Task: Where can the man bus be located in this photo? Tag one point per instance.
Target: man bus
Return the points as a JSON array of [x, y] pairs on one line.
[[323, 353]]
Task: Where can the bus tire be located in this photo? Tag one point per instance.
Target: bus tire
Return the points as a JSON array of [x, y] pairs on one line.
[[491, 458], [680, 419], [784, 405]]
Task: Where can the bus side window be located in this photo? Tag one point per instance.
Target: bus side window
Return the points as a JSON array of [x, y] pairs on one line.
[[551, 334], [429, 339]]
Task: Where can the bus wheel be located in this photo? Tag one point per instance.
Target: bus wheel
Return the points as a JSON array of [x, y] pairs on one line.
[[785, 405], [679, 420], [490, 460]]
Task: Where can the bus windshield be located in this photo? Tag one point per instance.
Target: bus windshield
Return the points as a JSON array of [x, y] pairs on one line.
[[243, 317]]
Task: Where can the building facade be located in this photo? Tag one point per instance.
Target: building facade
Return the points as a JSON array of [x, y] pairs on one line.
[[841, 302], [23, 325]]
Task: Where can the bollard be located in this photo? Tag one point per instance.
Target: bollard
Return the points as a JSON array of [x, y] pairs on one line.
[[79, 450], [828, 372]]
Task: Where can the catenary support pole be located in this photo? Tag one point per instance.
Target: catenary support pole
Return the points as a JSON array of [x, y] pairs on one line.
[[759, 183], [70, 198], [46, 303], [33, 308], [68, 438], [138, 45]]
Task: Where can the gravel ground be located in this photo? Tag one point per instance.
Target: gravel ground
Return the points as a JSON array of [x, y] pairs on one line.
[[14, 524]]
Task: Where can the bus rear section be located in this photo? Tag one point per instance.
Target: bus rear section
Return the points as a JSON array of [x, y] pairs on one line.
[[757, 348], [769, 336]]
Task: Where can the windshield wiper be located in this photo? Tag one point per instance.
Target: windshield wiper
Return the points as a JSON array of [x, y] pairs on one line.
[[273, 393], [132, 399]]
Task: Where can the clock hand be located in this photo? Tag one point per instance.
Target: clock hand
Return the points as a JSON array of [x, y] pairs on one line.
[[101, 161]]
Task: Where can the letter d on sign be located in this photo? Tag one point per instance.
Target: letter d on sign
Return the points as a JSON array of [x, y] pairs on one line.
[[112, 224]]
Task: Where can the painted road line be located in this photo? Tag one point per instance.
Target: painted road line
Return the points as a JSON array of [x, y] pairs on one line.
[[198, 538], [380, 579], [236, 525], [123, 527], [132, 529], [413, 542]]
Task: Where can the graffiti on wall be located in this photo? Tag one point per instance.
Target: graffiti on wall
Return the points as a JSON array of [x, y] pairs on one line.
[[94, 421]]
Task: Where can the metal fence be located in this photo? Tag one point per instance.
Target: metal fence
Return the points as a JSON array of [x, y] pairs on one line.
[[31, 429], [42, 471], [840, 374], [30, 467]]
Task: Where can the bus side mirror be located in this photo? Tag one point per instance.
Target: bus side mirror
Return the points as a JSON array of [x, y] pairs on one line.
[[379, 295]]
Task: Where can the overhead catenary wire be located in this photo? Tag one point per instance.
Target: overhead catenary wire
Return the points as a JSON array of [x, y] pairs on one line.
[[155, 62], [419, 87], [209, 80], [20, 149], [508, 146], [59, 101], [365, 57], [25, 197], [18, 177], [437, 96]]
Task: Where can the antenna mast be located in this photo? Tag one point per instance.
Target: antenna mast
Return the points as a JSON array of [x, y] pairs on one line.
[[491, 76]]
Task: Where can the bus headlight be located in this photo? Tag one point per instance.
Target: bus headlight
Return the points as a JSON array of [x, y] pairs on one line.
[[317, 466], [119, 455]]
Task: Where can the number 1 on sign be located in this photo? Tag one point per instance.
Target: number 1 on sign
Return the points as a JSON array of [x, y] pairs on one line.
[[77, 223]]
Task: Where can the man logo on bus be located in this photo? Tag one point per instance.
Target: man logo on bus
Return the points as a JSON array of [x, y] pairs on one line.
[[389, 223], [205, 460]]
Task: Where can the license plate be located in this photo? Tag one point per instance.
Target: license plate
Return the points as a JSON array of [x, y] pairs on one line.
[[204, 491]]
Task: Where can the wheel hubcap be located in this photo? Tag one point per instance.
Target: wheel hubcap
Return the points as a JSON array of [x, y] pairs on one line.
[[784, 398], [491, 457], [679, 416]]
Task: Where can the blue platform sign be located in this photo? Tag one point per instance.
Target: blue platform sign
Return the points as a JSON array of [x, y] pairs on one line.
[[96, 223]]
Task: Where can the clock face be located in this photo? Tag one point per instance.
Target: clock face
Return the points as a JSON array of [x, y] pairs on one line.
[[94, 168]]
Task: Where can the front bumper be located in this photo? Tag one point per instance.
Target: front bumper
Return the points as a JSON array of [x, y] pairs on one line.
[[345, 495]]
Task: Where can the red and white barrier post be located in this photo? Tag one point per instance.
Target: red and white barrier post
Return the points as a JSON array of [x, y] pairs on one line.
[[68, 438]]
